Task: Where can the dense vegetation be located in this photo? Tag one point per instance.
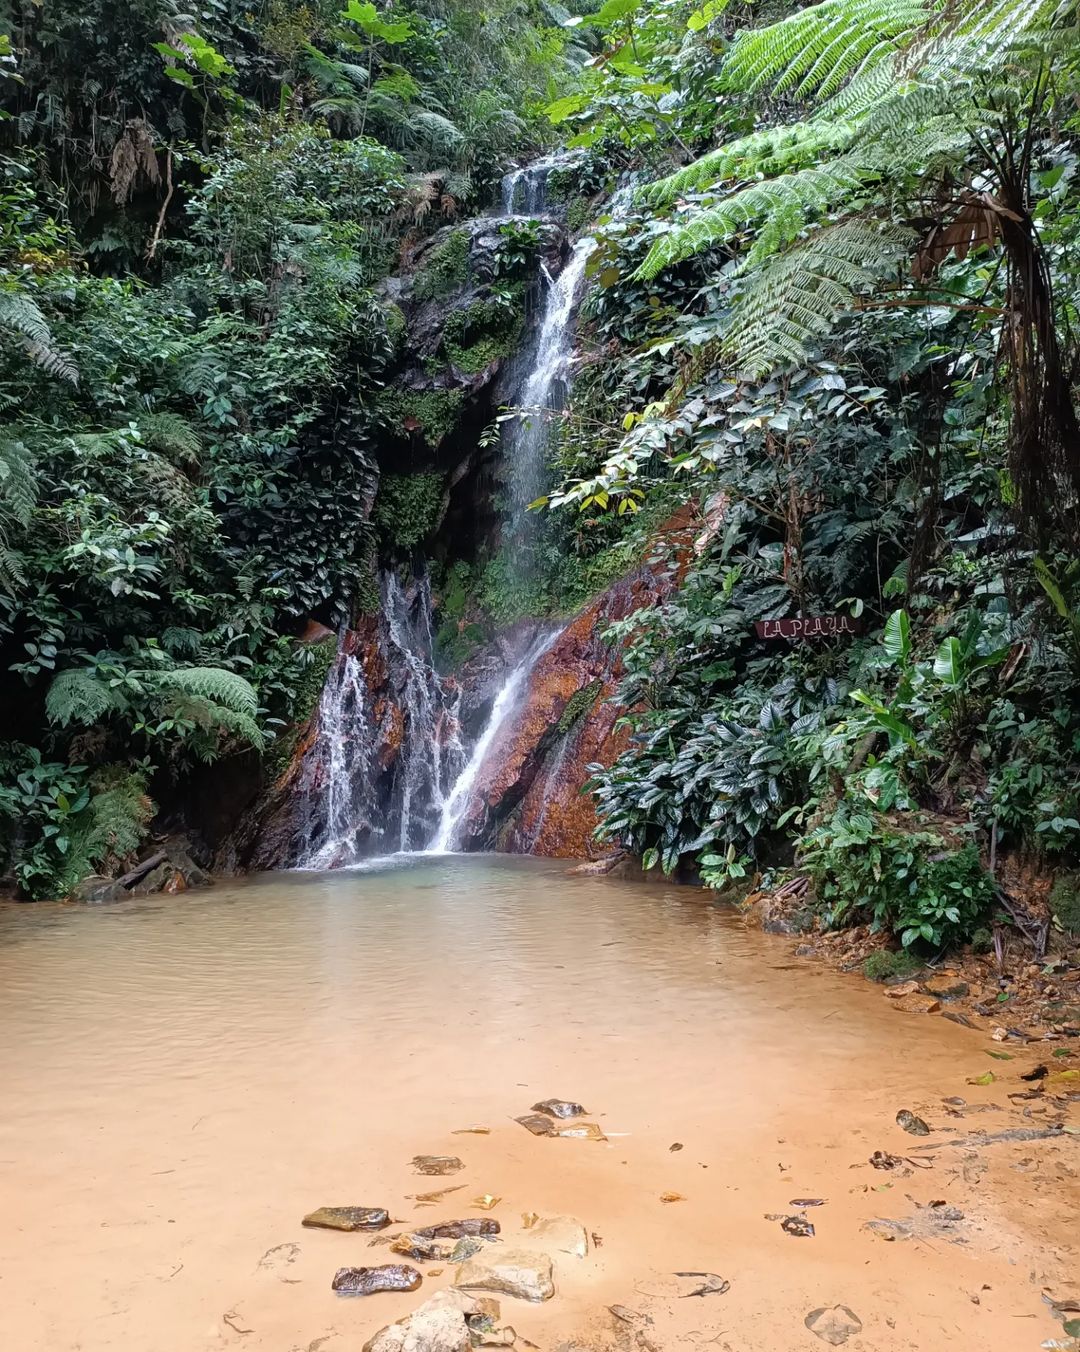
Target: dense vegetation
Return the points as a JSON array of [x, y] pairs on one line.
[[841, 312], [833, 301], [195, 216]]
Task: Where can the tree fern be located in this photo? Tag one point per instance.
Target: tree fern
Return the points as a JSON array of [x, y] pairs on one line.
[[787, 203], [788, 306], [817, 49], [18, 482], [771, 151]]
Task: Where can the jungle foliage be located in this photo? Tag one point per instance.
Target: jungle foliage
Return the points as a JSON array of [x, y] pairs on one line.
[[195, 216], [834, 303]]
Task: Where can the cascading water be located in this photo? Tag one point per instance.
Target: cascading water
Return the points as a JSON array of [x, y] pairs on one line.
[[506, 703], [544, 390], [337, 781], [432, 754]]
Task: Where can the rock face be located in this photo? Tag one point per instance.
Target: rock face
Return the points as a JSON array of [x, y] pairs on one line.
[[510, 1272], [528, 797]]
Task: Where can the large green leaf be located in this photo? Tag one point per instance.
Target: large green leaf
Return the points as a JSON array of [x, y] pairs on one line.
[[897, 639], [949, 663]]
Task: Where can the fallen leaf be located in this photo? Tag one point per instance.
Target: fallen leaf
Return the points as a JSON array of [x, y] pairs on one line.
[[713, 1284], [1002, 1056], [529, 1219], [486, 1202], [1072, 1327], [987, 1077], [672, 1197], [798, 1226], [430, 1198], [472, 1131], [678, 1145], [807, 1201], [1063, 1076], [881, 1160]]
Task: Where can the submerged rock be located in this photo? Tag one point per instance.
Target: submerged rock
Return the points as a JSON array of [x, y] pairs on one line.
[[472, 1225], [348, 1218], [442, 1330], [559, 1108], [562, 1233], [510, 1272], [833, 1325], [437, 1164], [537, 1123], [369, 1281]]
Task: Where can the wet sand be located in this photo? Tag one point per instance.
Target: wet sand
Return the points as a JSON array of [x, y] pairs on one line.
[[184, 1078]]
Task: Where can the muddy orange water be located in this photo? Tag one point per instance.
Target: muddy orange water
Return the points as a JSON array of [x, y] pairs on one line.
[[184, 1078]]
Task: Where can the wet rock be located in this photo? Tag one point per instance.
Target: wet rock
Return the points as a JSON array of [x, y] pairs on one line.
[[494, 1337], [96, 891], [369, 1281], [510, 1272], [538, 1124], [913, 1125], [917, 1004], [833, 1324], [442, 1330], [472, 1225], [424, 1249], [945, 988], [437, 1164], [562, 1108], [348, 1218], [528, 797], [562, 1234], [474, 1308]]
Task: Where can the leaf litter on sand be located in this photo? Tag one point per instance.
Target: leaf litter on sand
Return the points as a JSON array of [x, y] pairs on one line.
[[672, 1197], [713, 1284], [437, 1164], [485, 1202], [433, 1198], [987, 1077]]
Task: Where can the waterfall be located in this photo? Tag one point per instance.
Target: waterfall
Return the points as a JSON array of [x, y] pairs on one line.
[[544, 390], [505, 706], [431, 746], [337, 783]]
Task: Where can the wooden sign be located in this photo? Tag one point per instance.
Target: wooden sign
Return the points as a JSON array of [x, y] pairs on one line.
[[813, 626]]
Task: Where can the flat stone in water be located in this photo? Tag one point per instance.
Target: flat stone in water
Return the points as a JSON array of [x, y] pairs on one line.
[[348, 1218], [561, 1233], [538, 1124], [472, 1225], [509, 1272], [369, 1281], [437, 1164], [833, 1325], [559, 1108]]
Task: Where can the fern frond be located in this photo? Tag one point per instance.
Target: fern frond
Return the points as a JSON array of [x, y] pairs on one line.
[[23, 320], [780, 207], [792, 303], [172, 436], [214, 685], [79, 696], [771, 151], [18, 482], [817, 49], [209, 716]]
